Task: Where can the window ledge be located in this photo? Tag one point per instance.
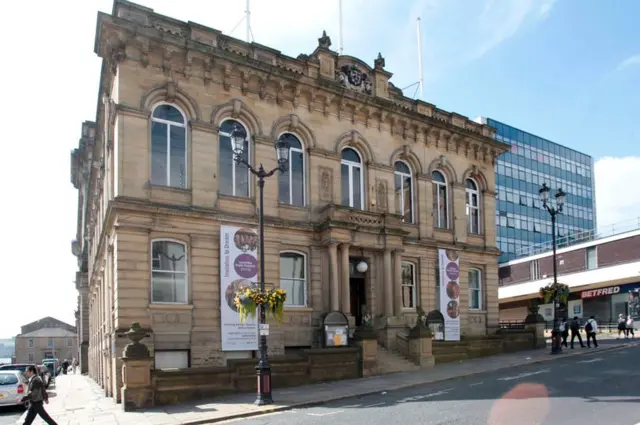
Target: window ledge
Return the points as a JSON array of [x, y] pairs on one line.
[[242, 199], [284, 205], [443, 230], [153, 186], [169, 306], [301, 309], [476, 311]]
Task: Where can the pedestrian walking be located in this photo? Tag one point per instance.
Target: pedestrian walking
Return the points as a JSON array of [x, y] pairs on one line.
[[575, 331], [74, 365], [591, 328], [37, 397], [622, 326], [630, 327], [564, 331]]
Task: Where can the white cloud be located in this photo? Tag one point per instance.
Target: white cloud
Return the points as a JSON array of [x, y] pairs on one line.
[[617, 194], [630, 61]]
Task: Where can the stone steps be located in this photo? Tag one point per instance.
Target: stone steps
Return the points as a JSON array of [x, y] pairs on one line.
[[390, 361]]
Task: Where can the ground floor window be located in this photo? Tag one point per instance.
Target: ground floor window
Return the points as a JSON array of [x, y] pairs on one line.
[[172, 359]]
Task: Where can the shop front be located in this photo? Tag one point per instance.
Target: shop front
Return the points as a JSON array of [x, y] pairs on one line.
[[607, 303]]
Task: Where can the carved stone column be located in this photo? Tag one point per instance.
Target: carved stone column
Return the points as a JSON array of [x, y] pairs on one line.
[[344, 282], [397, 282], [335, 277], [388, 283]]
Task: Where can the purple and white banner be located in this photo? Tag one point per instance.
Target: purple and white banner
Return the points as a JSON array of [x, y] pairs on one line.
[[450, 293], [238, 269]]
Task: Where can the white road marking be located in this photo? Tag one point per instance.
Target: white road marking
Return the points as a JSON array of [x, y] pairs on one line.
[[351, 406], [375, 404], [523, 375], [423, 396], [476, 384], [597, 359], [325, 414]]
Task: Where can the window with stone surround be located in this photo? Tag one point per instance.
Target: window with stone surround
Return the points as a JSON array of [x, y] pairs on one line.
[[293, 277], [440, 200], [30, 343], [291, 183], [168, 146], [168, 272], [475, 289], [352, 179], [409, 293], [233, 178], [404, 191], [473, 207]]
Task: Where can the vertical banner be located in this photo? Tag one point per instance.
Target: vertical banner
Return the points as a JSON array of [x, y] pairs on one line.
[[238, 269], [450, 293]]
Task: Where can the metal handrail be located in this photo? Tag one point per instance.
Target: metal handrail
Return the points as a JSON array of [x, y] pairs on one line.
[[582, 237]]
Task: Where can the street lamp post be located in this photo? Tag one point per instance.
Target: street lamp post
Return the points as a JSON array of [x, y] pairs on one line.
[[556, 346], [238, 139]]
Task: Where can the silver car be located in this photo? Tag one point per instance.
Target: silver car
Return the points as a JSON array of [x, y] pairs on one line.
[[13, 386]]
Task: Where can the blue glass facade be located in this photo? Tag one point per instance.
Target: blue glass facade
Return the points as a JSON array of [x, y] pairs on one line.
[[522, 223]]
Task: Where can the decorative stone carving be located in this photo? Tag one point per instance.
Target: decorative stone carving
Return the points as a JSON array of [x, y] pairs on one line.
[[354, 79], [324, 41], [135, 349], [379, 63], [381, 195], [326, 184]]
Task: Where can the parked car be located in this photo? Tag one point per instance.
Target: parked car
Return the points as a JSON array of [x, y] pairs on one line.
[[22, 367], [13, 386]]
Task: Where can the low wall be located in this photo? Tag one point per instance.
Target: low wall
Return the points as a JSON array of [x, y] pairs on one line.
[[506, 341], [312, 366]]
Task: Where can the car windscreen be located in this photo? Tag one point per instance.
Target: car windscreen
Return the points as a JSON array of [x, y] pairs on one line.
[[8, 379], [22, 368]]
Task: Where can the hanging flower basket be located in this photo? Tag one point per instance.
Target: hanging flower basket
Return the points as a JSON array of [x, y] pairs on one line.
[[549, 292], [247, 301]]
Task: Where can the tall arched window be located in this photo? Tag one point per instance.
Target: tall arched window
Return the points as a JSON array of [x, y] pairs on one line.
[[291, 183], [168, 272], [404, 191], [475, 289], [233, 178], [293, 278], [440, 200], [473, 206], [168, 146], [352, 179]]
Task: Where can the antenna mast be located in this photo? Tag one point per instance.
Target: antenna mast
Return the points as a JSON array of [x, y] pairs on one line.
[[341, 48], [421, 78], [248, 18]]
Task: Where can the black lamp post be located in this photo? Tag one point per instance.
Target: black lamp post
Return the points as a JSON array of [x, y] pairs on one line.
[[556, 346], [238, 139]]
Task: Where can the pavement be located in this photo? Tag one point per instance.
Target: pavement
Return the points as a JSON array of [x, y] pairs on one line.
[[78, 400]]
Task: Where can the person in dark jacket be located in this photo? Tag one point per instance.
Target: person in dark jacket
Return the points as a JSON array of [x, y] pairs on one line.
[[575, 331], [564, 328], [37, 397]]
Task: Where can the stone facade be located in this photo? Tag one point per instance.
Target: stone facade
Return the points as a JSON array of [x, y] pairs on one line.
[[40, 344], [329, 103]]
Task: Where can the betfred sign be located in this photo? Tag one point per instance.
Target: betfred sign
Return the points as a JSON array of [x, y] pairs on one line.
[[611, 290]]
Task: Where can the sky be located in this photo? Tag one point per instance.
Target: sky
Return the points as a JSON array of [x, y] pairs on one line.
[[566, 70]]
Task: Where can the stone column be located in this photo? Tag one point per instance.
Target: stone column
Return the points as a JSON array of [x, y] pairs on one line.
[[344, 263], [335, 277], [397, 282], [388, 283], [137, 392]]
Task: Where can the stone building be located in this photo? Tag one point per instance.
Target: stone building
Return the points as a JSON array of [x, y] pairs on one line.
[[374, 176], [46, 338]]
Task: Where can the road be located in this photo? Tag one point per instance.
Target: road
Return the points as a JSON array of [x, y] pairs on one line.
[[579, 390], [9, 415]]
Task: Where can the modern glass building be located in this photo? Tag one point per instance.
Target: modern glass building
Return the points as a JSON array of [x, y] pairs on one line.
[[523, 226]]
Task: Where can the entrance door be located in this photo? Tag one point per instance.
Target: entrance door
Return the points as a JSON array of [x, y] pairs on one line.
[[358, 298]]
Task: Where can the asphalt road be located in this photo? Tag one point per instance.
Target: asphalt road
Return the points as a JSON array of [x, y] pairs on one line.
[[9, 415], [597, 388]]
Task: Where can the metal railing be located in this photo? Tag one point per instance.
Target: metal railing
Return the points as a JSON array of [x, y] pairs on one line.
[[581, 237], [512, 324]]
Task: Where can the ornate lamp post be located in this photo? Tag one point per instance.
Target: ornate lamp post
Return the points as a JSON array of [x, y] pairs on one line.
[[556, 346], [238, 139]]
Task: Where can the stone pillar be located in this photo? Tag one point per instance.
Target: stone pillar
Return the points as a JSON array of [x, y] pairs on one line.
[[397, 282], [335, 277], [421, 346], [137, 391], [388, 284], [366, 339], [344, 283]]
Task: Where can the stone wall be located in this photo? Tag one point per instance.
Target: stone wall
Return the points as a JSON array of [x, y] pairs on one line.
[[312, 366], [507, 341]]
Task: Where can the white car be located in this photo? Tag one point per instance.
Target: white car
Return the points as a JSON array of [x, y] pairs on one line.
[[13, 386]]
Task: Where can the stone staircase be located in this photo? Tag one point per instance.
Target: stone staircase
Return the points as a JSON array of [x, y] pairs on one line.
[[390, 361]]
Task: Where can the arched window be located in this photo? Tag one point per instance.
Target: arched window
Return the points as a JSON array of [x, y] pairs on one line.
[[291, 183], [352, 179], [408, 285], [233, 178], [404, 191], [168, 147], [475, 289], [440, 200], [168, 272], [473, 206], [293, 278]]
